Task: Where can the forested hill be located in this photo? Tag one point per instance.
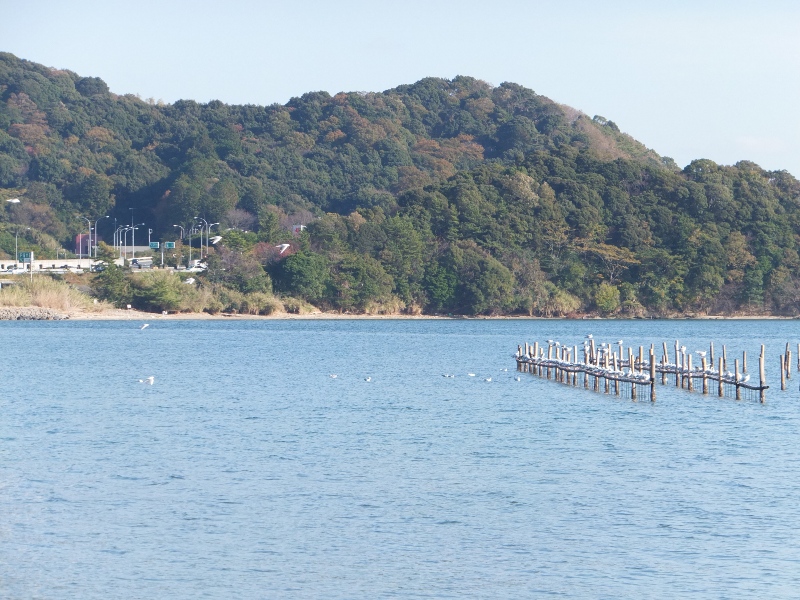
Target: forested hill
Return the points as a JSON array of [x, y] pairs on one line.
[[446, 196]]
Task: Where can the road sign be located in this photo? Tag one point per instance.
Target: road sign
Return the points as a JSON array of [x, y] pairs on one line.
[[25, 257], [169, 245], [155, 245]]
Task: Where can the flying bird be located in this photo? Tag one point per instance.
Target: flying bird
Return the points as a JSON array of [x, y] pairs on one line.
[[214, 240], [283, 248], [145, 326]]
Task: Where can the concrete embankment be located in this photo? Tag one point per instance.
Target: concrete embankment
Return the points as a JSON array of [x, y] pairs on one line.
[[11, 313]]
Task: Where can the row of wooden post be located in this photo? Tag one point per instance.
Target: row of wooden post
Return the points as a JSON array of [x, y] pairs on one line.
[[684, 375]]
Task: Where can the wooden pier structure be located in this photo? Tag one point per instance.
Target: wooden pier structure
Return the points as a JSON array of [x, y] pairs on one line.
[[612, 367]]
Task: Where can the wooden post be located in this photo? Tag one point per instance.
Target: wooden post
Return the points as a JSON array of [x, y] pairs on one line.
[[549, 357], [744, 361], [711, 354], [783, 374], [616, 381], [592, 355], [788, 363], [633, 391], [605, 379], [703, 365], [724, 357], [575, 373], [664, 361], [721, 388], [683, 370], [798, 357], [677, 366], [641, 359], [736, 377], [689, 385], [586, 380], [536, 349], [652, 375], [761, 378]]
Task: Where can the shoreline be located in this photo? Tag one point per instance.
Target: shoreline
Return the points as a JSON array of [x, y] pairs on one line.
[[118, 314]]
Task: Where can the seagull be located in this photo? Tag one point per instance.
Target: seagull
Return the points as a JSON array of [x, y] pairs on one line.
[[746, 379], [700, 353], [518, 378], [215, 240], [471, 374], [589, 336], [488, 379], [368, 379], [333, 376], [149, 380], [283, 248], [189, 281], [145, 326], [504, 369]]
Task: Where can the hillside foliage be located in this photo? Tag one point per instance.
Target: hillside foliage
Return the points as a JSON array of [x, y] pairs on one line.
[[443, 196]]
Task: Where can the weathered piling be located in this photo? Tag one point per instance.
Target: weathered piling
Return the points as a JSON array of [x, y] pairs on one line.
[[737, 379], [677, 369], [724, 357], [652, 375], [563, 364], [704, 367], [783, 374]]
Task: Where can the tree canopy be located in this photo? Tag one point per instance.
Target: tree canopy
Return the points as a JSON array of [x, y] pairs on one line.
[[439, 196]]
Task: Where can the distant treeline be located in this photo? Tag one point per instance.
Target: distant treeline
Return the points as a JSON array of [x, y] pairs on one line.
[[444, 196]]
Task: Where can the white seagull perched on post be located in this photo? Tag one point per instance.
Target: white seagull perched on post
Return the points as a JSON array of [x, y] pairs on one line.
[[283, 248]]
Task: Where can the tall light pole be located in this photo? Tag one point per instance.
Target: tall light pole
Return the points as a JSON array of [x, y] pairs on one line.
[[80, 238], [201, 235], [133, 239], [95, 237], [117, 240]]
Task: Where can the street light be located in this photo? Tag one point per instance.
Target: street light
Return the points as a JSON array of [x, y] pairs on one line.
[[201, 235], [95, 237], [133, 239], [117, 241]]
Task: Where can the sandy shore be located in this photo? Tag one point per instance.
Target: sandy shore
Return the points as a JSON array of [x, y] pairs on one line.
[[134, 315]]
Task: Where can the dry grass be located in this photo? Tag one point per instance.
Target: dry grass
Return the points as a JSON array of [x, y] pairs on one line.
[[45, 292]]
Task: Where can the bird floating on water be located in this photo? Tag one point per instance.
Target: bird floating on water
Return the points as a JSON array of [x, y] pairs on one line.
[[368, 379], [488, 379], [518, 378], [333, 375], [149, 380], [471, 374]]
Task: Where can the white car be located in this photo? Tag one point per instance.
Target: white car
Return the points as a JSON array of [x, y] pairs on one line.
[[16, 271]]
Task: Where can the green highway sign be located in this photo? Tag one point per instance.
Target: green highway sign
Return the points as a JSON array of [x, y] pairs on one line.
[[169, 245], [155, 245], [25, 256]]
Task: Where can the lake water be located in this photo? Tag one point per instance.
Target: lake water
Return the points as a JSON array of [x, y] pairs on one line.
[[246, 471]]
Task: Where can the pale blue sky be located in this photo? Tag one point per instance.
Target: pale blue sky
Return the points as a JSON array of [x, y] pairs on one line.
[[690, 79]]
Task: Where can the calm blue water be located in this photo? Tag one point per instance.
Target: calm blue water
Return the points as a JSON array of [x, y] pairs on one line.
[[246, 471]]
